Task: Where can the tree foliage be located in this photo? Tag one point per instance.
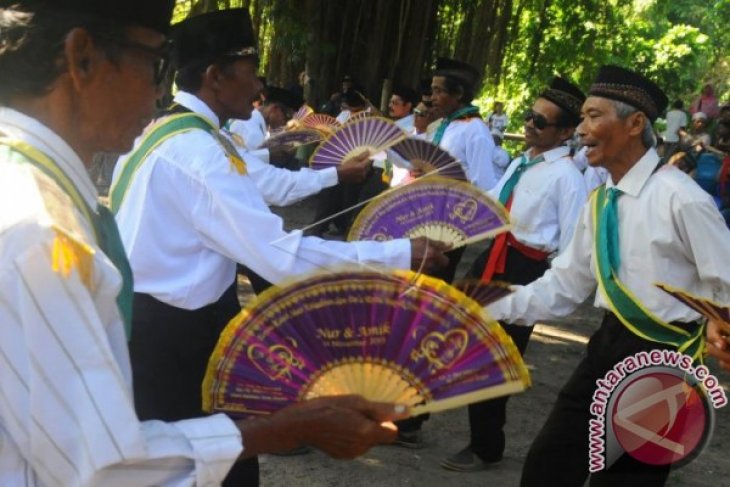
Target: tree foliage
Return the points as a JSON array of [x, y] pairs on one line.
[[517, 44]]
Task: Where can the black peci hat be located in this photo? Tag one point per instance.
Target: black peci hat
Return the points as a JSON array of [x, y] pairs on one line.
[[617, 83], [461, 71], [214, 35], [284, 97], [565, 95], [406, 94], [153, 14]]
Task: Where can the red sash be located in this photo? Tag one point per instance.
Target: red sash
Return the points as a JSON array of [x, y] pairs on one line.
[[498, 255]]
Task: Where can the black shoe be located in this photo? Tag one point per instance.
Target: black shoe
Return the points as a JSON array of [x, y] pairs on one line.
[[467, 461], [410, 439]]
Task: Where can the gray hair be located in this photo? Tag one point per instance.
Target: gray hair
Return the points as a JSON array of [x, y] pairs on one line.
[[623, 110]]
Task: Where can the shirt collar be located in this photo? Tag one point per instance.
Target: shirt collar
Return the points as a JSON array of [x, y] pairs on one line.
[[21, 127], [553, 154], [635, 179], [195, 104]]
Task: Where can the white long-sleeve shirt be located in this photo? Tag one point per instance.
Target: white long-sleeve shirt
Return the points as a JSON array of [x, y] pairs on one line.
[[670, 231], [252, 132], [470, 142], [547, 201], [501, 161], [66, 411], [282, 187], [189, 217]]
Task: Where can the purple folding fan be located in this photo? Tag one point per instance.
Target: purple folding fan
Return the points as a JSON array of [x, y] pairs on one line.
[[484, 293], [293, 138], [427, 157], [396, 337], [435, 207], [371, 135]]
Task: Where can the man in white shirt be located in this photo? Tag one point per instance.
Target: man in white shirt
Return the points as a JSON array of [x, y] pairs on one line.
[[462, 132], [657, 225], [401, 105], [77, 78], [498, 119], [676, 121], [188, 212], [544, 193], [400, 109]]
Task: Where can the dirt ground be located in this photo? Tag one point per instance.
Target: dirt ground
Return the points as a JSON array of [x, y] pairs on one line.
[[554, 351]]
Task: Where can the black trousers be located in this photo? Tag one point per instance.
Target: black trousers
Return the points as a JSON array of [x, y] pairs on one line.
[[169, 350], [487, 418], [559, 453], [447, 275], [258, 283]]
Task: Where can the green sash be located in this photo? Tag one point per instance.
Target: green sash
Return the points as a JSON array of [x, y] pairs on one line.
[[460, 113], [627, 308], [164, 129], [102, 221]]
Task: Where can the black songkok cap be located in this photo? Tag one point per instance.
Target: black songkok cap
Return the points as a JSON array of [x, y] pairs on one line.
[[214, 35], [565, 95], [461, 71], [285, 97], [406, 94], [616, 83], [153, 14]]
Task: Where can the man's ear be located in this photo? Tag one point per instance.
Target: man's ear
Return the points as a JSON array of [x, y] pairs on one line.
[[566, 133], [460, 93], [82, 56], [212, 76], [635, 123]]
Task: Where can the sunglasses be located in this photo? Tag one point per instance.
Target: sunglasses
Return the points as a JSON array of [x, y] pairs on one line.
[[161, 56], [539, 121], [420, 113]]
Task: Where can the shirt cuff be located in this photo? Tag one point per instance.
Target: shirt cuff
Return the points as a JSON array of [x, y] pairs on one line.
[[393, 253], [328, 177], [216, 443], [498, 310]]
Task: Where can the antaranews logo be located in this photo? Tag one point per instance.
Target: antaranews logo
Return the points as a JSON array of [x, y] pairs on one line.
[[655, 406]]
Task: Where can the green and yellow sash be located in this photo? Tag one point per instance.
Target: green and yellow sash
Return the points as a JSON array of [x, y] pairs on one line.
[[160, 131], [69, 250], [627, 308]]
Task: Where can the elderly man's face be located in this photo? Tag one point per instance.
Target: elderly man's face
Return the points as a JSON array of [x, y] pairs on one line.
[[116, 100], [603, 133], [238, 87], [443, 102], [398, 108]]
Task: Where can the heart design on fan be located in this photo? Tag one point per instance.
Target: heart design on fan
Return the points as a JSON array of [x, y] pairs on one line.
[[465, 211], [276, 361], [442, 350]]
